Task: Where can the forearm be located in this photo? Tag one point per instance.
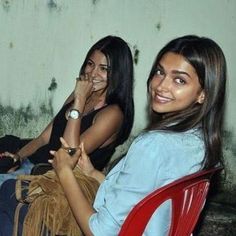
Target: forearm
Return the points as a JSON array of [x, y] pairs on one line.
[[31, 147], [98, 175], [79, 205], [72, 130]]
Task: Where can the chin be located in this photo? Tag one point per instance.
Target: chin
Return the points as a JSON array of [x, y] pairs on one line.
[[157, 108]]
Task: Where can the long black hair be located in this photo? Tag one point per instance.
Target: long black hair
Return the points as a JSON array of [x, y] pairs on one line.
[[208, 60], [120, 79]]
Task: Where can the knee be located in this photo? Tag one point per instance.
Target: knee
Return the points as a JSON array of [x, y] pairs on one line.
[[7, 189]]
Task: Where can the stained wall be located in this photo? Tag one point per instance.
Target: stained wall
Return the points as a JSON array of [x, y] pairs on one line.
[[43, 43]]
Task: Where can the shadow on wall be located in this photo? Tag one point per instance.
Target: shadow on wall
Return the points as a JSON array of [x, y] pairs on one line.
[[27, 121]]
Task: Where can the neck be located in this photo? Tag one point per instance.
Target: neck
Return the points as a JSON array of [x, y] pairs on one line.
[[95, 101]]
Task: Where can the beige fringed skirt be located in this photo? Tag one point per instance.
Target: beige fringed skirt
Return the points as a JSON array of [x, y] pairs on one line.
[[49, 210]]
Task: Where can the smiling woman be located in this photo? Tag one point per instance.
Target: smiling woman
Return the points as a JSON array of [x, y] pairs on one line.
[[184, 137], [99, 112], [175, 85]]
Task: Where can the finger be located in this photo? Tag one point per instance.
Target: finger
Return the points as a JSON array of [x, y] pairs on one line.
[[82, 147], [50, 161], [52, 152], [79, 77], [83, 152], [9, 154], [64, 143]]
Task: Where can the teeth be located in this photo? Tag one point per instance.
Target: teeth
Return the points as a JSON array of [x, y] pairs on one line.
[[96, 81], [162, 99]]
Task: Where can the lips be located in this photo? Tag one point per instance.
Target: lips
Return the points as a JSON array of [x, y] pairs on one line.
[[96, 81], [161, 99]]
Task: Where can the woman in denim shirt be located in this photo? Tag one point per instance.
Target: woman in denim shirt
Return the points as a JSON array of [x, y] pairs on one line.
[[186, 88]]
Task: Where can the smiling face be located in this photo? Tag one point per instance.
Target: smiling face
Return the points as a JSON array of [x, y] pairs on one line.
[[97, 69], [175, 85]]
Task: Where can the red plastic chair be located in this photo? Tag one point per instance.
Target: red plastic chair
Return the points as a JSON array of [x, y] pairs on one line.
[[187, 195]]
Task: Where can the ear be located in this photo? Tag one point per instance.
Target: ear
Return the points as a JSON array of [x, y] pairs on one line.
[[201, 97]]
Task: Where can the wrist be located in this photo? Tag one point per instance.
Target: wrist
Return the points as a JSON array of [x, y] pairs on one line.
[[79, 102], [17, 157], [63, 171]]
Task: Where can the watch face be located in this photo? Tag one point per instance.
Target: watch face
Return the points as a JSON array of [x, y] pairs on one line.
[[74, 114]]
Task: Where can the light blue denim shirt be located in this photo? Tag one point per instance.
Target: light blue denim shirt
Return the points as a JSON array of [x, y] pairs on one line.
[[154, 159]]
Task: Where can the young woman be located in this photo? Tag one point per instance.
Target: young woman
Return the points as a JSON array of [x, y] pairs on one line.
[[186, 88], [99, 111]]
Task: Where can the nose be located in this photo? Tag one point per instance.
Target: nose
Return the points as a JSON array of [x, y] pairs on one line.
[[94, 72], [164, 84]]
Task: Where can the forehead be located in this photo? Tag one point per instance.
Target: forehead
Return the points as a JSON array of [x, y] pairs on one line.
[[174, 61], [98, 57]]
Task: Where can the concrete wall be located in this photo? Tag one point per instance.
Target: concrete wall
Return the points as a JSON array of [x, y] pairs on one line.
[[43, 43]]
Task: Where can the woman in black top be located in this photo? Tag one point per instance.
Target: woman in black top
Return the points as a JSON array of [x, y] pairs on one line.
[[98, 112]]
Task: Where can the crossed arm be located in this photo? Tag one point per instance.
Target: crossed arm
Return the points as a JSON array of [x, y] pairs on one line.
[[63, 164]]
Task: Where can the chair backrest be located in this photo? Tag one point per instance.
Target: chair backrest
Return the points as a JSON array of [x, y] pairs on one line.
[[187, 196]]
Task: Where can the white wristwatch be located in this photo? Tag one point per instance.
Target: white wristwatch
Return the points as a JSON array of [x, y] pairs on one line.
[[74, 114]]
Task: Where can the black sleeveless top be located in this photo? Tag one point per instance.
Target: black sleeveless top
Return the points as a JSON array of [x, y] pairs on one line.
[[99, 157]]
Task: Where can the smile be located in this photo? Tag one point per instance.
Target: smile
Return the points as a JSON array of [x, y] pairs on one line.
[[161, 99], [97, 81]]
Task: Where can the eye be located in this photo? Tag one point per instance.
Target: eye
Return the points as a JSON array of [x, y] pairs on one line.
[[159, 72], [89, 63], [180, 80], [104, 68]]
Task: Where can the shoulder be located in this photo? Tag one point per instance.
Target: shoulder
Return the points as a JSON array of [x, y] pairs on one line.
[[168, 142], [169, 136], [110, 111]]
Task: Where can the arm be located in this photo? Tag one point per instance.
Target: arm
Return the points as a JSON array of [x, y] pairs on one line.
[[79, 205], [33, 145], [37, 142], [83, 90], [63, 165], [104, 128], [87, 168]]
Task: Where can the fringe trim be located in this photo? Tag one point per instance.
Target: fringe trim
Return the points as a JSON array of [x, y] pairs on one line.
[[49, 210]]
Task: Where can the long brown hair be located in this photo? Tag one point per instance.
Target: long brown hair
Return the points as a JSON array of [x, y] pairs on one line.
[[209, 63]]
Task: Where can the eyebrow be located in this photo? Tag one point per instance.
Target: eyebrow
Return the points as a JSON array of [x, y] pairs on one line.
[[181, 72], [175, 71], [99, 64]]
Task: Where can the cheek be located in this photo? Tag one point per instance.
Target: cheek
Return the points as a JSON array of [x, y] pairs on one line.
[[188, 96], [151, 84], [87, 69], [103, 75], [154, 83]]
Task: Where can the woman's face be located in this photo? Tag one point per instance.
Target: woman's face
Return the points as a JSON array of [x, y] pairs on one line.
[[175, 85], [97, 69]]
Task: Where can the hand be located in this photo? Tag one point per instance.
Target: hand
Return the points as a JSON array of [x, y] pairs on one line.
[[62, 159], [15, 157], [84, 162], [83, 87]]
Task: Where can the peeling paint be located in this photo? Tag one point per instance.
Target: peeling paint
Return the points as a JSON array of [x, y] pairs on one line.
[[11, 45], [52, 4], [53, 84], [28, 121], [94, 2], [6, 4], [158, 26], [136, 54]]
